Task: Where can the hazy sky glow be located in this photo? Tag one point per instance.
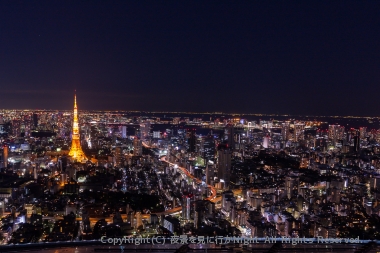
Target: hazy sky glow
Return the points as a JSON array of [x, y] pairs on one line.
[[319, 58]]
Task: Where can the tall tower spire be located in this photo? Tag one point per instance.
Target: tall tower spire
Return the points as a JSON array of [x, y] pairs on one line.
[[75, 99], [76, 151]]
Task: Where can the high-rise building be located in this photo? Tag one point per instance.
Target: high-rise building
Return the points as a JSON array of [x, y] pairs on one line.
[[224, 164], [186, 206], [199, 212], [86, 222], [266, 141], [375, 182], [124, 132], [363, 132], [137, 147], [176, 120], [138, 219], [377, 135], [192, 139], [210, 173], [299, 132], [119, 156], [35, 120], [285, 131], [356, 143], [35, 174], [3, 128], [341, 133], [209, 148], [145, 130], [171, 223], [336, 132], [2, 208], [4, 156], [333, 129], [229, 133], [16, 127], [226, 196], [76, 151], [290, 183]]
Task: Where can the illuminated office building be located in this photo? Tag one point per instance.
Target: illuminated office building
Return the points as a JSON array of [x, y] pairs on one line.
[[336, 132], [290, 183], [285, 131], [145, 130], [229, 133], [299, 131], [137, 147], [119, 156], [209, 148], [266, 141], [186, 206], [363, 132], [224, 164], [4, 157], [210, 173], [124, 132]]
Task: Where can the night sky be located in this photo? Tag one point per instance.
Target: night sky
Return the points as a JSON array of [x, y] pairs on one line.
[[286, 57]]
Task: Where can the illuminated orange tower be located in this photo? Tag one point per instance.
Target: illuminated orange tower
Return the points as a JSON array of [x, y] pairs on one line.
[[76, 151]]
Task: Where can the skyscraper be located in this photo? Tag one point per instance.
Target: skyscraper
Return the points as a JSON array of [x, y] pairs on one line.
[[224, 164], [119, 155], [226, 196], [186, 205], [363, 132], [138, 219], [145, 130], [290, 183], [35, 121], [285, 131], [210, 173], [299, 129], [356, 143], [4, 156], [124, 132], [266, 141], [229, 133], [209, 148], [76, 151], [192, 139], [336, 132], [137, 147]]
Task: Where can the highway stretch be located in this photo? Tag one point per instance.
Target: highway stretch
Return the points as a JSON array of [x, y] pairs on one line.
[[185, 171], [213, 191]]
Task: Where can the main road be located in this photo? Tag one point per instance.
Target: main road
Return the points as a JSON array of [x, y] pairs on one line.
[[212, 197]]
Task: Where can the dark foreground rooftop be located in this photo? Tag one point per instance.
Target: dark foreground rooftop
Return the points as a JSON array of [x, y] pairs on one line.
[[81, 247]]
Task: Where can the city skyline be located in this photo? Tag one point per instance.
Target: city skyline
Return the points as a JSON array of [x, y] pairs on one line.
[[291, 58], [69, 179], [174, 126]]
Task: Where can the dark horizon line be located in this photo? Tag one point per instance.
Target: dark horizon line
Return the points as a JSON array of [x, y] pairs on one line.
[[189, 112]]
